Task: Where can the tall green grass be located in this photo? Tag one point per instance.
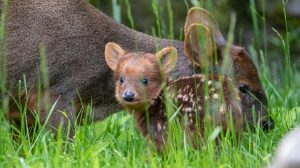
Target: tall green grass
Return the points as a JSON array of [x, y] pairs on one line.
[[116, 142], [3, 52]]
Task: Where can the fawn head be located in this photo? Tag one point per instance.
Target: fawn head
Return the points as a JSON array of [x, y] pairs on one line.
[[139, 76], [205, 45]]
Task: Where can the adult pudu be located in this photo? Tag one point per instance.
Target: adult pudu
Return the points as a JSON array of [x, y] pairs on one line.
[[74, 34], [139, 81], [253, 98]]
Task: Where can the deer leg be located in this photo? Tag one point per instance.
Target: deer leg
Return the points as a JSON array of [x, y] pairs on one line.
[[159, 134]]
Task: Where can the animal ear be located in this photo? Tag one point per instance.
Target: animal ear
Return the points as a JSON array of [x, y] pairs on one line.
[[167, 58], [113, 52], [199, 45], [198, 15]]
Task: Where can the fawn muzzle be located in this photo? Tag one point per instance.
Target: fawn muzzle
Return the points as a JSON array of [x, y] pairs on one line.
[[129, 96]]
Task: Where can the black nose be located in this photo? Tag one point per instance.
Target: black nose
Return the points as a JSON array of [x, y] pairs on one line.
[[268, 124], [128, 96]]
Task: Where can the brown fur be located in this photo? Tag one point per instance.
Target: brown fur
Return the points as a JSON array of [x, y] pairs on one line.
[[15, 114], [132, 69]]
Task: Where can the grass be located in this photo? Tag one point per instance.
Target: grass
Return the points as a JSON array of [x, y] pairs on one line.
[[116, 142]]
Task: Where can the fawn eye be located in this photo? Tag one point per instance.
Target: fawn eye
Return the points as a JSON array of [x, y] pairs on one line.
[[121, 80], [244, 88], [145, 81]]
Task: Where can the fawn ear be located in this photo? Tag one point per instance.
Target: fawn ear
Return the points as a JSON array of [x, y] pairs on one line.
[[167, 58], [199, 45], [201, 16], [113, 52]]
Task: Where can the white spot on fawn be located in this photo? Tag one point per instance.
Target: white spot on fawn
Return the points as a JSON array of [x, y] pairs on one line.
[[193, 103], [185, 98], [159, 126], [222, 109], [179, 91], [191, 94], [186, 88], [198, 76], [186, 110], [215, 96], [189, 109]]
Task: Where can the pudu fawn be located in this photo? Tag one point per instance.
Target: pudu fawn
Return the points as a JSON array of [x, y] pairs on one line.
[[139, 81]]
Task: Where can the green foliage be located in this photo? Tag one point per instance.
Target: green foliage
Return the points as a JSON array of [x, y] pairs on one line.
[[3, 56]]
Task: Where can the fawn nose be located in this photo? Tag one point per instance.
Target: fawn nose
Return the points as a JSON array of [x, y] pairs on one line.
[[128, 96]]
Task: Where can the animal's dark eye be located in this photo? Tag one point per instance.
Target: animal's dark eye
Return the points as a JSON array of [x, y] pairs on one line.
[[244, 88], [121, 80], [145, 81]]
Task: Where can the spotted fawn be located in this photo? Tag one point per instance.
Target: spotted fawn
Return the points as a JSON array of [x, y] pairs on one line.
[[139, 83]]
